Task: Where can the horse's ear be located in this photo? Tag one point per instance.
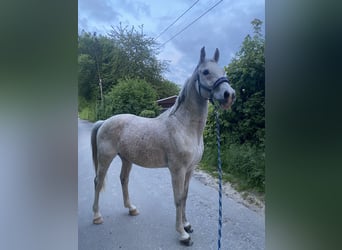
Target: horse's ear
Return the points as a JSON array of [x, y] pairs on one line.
[[202, 57], [216, 55]]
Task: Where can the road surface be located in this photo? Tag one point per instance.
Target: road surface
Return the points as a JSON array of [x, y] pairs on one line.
[[154, 228]]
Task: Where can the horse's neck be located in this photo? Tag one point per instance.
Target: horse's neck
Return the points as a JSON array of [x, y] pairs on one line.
[[193, 111]]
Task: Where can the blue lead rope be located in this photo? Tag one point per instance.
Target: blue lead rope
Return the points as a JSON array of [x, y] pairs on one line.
[[220, 177]]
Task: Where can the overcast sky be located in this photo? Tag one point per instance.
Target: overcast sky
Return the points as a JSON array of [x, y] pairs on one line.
[[224, 27]]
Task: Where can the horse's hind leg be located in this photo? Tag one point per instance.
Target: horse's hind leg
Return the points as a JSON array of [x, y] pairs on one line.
[[124, 178], [103, 165]]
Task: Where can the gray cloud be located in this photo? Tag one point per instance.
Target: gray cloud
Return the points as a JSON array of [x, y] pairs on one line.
[[98, 11], [99, 16], [224, 27], [135, 8]]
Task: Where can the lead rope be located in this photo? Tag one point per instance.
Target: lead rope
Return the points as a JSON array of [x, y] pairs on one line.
[[220, 176]]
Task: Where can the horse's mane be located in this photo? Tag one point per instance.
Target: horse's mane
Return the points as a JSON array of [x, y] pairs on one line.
[[183, 93], [181, 97]]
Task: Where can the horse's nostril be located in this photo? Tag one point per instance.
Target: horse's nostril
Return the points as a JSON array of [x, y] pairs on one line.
[[226, 95]]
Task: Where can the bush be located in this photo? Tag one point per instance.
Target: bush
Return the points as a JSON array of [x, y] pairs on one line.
[[86, 109], [148, 113], [88, 113], [246, 163], [129, 96]]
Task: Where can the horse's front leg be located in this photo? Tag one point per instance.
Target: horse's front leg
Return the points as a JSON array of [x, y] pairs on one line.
[[178, 181], [186, 224]]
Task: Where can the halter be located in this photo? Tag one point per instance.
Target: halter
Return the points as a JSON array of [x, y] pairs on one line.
[[211, 89]]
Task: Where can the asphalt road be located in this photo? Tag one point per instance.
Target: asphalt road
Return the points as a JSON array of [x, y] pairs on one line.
[[154, 228]]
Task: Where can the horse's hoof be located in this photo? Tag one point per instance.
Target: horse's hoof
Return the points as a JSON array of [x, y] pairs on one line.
[[133, 212], [187, 242], [98, 220], [188, 229]]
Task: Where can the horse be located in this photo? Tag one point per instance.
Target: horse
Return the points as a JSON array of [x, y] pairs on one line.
[[174, 139]]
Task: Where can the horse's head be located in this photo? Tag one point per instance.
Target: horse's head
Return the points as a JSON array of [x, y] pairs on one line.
[[212, 82]]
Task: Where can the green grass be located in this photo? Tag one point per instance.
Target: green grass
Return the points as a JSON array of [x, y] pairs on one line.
[[87, 113], [242, 165]]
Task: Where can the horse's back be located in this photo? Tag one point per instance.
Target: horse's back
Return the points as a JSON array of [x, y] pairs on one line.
[[137, 139], [126, 124]]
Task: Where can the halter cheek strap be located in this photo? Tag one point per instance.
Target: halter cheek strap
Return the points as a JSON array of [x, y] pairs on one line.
[[210, 89]]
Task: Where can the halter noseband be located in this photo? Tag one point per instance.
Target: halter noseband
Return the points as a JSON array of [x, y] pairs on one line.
[[211, 89]]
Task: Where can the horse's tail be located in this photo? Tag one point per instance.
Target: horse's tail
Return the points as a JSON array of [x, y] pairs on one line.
[[96, 127]]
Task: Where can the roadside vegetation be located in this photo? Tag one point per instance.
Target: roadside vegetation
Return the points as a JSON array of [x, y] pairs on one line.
[[120, 73], [242, 127]]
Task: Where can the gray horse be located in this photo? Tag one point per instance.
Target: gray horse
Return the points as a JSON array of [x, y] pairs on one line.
[[174, 139]]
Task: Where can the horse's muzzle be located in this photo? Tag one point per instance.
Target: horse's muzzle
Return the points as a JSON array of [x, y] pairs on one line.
[[229, 99]]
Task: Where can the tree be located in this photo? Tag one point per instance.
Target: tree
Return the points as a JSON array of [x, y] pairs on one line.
[[122, 54], [166, 88], [130, 96], [86, 76], [135, 55], [246, 72], [97, 49]]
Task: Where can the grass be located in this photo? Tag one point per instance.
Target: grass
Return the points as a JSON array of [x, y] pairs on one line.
[[242, 165], [88, 113]]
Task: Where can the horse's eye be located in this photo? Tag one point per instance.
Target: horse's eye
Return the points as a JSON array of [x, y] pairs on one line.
[[205, 72]]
